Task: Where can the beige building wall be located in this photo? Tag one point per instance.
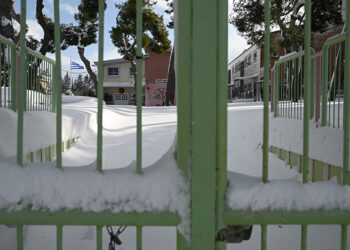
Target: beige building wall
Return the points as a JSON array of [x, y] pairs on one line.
[[124, 72]]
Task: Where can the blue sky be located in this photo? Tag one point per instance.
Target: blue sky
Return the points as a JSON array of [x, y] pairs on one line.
[[67, 9]]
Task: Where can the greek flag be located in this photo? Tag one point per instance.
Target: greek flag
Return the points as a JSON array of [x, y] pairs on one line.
[[74, 65]]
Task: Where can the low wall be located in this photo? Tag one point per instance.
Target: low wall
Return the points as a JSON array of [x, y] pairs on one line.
[[318, 170], [49, 153]]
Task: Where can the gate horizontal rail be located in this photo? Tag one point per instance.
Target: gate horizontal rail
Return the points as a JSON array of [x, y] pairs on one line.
[[316, 217], [78, 217]]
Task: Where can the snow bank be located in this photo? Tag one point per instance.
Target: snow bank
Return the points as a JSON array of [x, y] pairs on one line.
[[161, 188], [325, 144], [39, 130], [245, 192]]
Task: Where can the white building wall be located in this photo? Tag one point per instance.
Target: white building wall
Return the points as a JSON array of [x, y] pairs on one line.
[[251, 59]]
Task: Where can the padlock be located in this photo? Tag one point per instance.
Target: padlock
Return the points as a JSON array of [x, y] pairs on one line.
[[116, 240]]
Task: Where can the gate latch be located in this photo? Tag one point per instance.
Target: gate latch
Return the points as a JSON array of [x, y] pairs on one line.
[[234, 233]]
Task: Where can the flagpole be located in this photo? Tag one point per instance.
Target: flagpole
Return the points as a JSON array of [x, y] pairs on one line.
[[70, 72]]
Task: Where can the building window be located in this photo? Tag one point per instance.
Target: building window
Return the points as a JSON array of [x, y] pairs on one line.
[[248, 60], [237, 67], [255, 57], [125, 96], [131, 71], [161, 81], [117, 96], [113, 71]]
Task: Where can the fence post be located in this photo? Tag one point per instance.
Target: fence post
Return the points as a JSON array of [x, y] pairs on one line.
[[13, 78], [276, 88], [324, 85], [312, 88], [272, 89], [318, 88]]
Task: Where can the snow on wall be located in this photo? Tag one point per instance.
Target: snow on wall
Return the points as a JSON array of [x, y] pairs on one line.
[[246, 192], [161, 188], [36, 137], [325, 144]]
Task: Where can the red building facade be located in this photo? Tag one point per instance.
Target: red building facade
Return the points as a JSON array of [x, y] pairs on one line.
[[156, 77]]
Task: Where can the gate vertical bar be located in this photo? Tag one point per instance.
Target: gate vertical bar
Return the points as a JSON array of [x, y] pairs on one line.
[[204, 66], [139, 59], [183, 82], [263, 237], [19, 237], [101, 9], [266, 91], [307, 83], [183, 62], [344, 232], [303, 237], [58, 84], [22, 84], [138, 237], [99, 237], [346, 109], [59, 239], [221, 117]]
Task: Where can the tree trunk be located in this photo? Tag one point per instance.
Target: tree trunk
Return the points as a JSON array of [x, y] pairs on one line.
[[86, 62], [6, 28], [170, 87], [48, 35]]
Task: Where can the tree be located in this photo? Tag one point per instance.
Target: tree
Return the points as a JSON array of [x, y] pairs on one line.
[[154, 36], [66, 84], [83, 86], [286, 15], [84, 33], [47, 42], [6, 27]]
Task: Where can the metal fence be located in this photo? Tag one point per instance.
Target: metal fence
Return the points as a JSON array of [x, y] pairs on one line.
[[7, 73], [333, 66], [289, 86], [39, 78], [201, 71], [39, 82]]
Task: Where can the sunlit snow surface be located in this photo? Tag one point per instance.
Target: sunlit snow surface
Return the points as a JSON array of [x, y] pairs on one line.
[[119, 151]]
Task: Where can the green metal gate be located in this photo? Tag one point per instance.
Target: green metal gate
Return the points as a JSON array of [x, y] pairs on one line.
[[202, 133]]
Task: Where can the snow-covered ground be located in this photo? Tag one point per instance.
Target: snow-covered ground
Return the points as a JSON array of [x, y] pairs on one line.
[[119, 151]]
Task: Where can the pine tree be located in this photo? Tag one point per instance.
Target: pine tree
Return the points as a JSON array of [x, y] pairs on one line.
[[66, 84], [287, 15], [154, 36]]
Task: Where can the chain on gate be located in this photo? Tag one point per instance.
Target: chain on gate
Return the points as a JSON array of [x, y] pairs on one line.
[[114, 237]]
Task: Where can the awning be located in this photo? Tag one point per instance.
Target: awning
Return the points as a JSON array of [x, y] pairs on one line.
[[120, 84], [246, 77]]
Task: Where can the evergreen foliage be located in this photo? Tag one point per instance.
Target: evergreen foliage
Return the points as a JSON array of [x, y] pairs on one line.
[[154, 36], [84, 33], [286, 15], [66, 84], [83, 86]]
